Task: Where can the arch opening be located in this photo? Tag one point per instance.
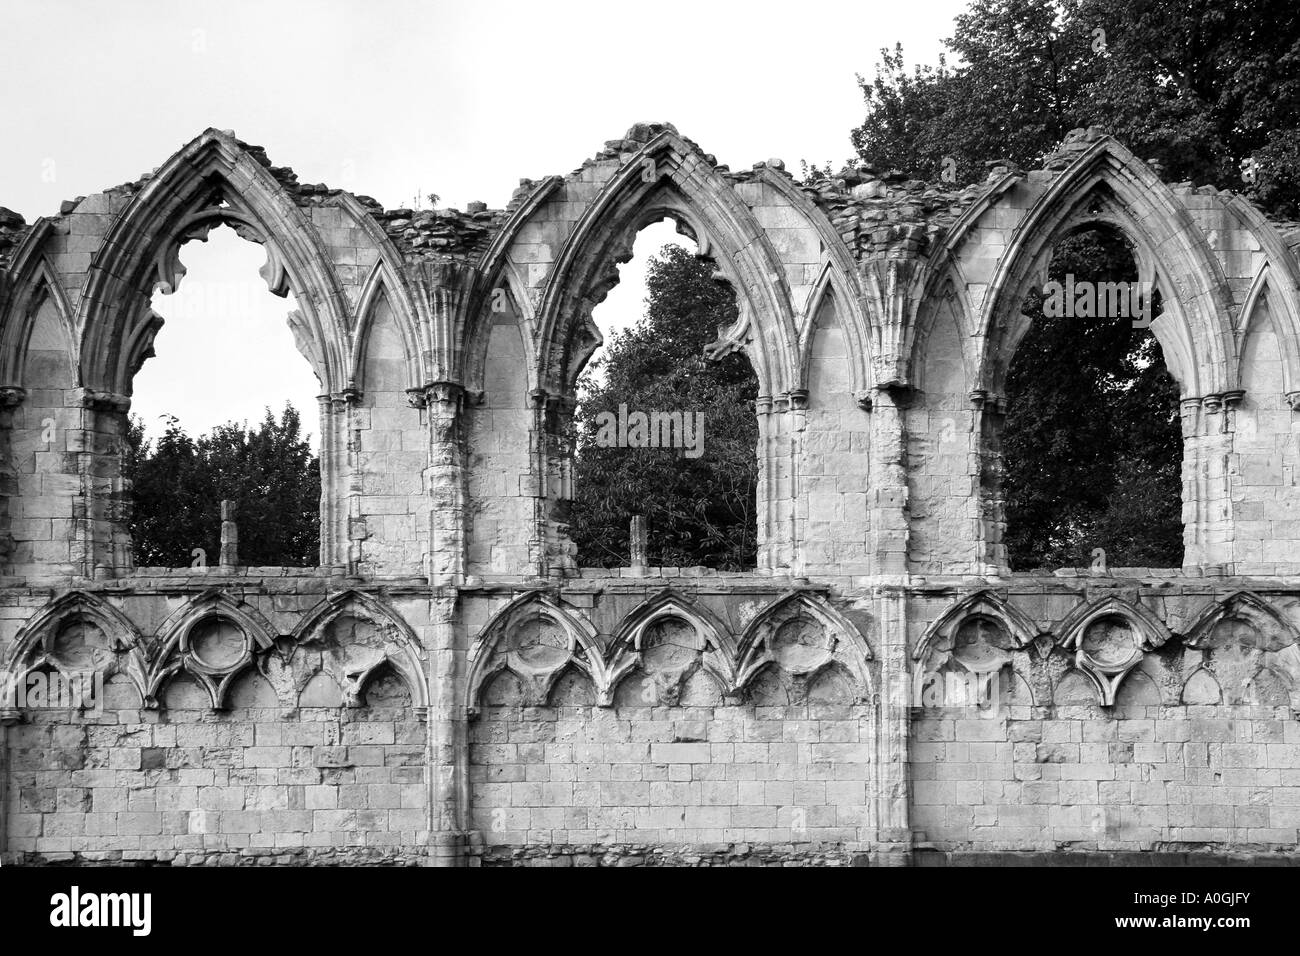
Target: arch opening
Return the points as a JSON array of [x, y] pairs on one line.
[[245, 434], [660, 429], [1092, 439]]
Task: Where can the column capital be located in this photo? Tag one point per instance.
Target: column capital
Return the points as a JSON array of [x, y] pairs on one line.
[[102, 401], [436, 393], [340, 400]]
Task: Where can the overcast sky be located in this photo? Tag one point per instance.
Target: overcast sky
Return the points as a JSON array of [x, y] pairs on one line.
[[394, 99]]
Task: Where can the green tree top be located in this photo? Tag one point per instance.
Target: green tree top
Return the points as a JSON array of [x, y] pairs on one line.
[[178, 484], [1198, 87]]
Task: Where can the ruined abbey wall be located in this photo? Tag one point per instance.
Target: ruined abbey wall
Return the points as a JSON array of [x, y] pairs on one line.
[[451, 686]]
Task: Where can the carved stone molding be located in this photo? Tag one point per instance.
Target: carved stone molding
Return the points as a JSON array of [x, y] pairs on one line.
[[1109, 638], [103, 401], [730, 339]]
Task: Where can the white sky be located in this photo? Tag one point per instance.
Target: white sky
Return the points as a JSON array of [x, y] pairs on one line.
[[394, 99]]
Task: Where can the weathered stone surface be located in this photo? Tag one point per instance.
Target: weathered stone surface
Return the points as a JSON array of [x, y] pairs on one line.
[[451, 686]]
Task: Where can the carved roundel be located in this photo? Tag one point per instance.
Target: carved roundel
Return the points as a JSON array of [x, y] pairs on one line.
[[669, 644], [540, 643], [801, 645], [980, 645], [1110, 643], [216, 645], [80, 646], [1233, 630]]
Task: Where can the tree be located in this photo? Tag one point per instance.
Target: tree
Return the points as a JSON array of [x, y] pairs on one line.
[[178, 485], [700, 511], [1092, 435], [1201, 88]]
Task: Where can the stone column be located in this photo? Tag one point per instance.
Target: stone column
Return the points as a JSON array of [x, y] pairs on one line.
[[334, 495], [447, 761], [796, 404], [888, 495], [1207, 498], [229, 556], [893, 828], [10, 398], [989, 464], [445, 481], [101, 546], [551, 443], [638, 545], [768, 553], [348, 420]]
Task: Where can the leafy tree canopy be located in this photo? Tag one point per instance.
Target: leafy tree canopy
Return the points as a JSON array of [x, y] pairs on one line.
[[700, 511], [1199, 87], [179, 482], [1092, 435]]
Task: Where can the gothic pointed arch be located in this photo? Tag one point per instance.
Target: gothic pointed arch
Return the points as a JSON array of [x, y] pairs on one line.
[[34, 282], [353, 635], [211, 638], [1240, 640], [1109, 637], [1281, 272], [498, 275], [1267, 296], [1106, 183], [670, 637], [800, 635], [668, 178], [982, 603], [213, 180], [831, 290], [951, 299], [1272, 626], [386, 282], [943, 277], [41, 642], [507, 292], [838, 278], [536, 638], [384, 287]]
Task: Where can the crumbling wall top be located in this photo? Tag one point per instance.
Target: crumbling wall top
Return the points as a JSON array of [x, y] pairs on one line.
[[12, 230]]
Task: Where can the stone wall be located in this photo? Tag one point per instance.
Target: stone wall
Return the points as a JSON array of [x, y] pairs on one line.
[[449, 686], [316, 784], [759, 774], [1153, 778]]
